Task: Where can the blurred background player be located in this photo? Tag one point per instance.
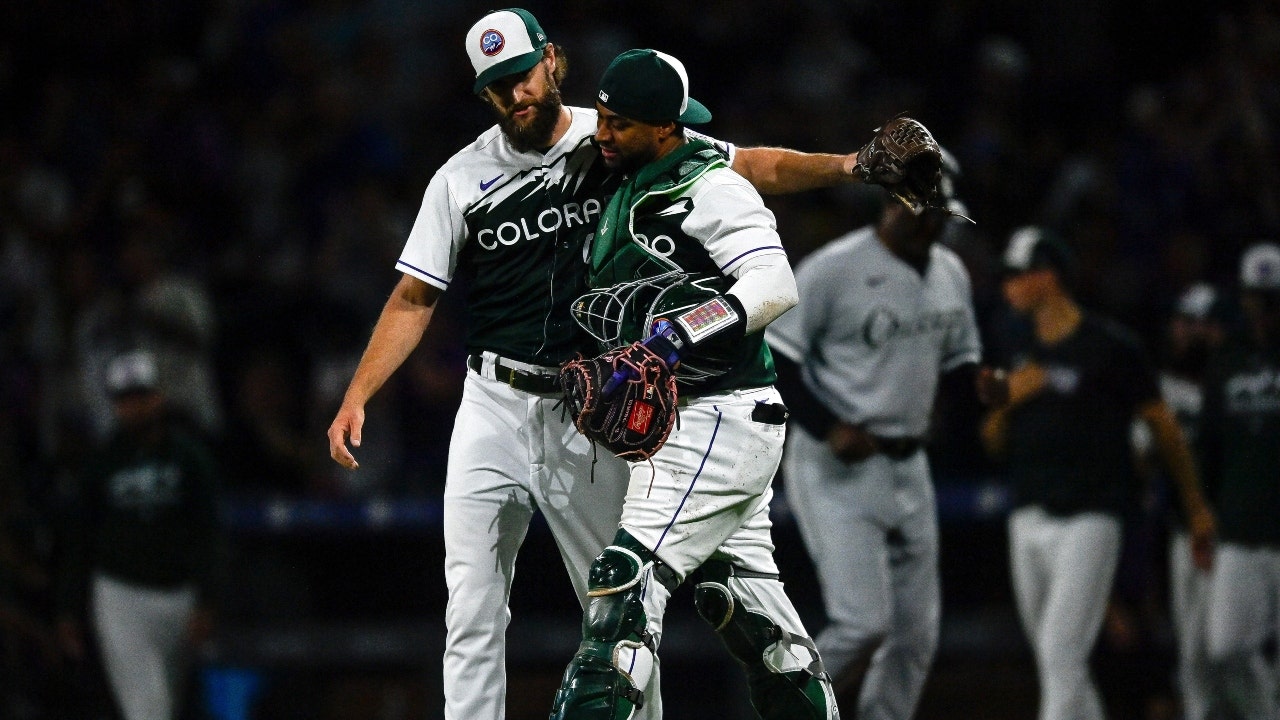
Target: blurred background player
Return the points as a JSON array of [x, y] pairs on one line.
[[145, 551], [1239, 443], [885, 314], [1195, 330], [1077, 382]]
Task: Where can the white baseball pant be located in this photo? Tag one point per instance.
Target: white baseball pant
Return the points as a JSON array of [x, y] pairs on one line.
[[513, 453], [880, 596], [1063, 568], [1243, 603], [706, 495], [142, 633]]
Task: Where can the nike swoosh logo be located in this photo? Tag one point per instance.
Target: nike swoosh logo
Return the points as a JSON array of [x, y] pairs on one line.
[[486, 184]]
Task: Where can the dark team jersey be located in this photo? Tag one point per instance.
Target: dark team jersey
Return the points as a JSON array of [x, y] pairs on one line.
[[148, 515], [514, 226], [1068, 446], [1239, 441]]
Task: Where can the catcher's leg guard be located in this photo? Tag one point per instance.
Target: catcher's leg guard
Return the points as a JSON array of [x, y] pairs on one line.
[[617, 653], [781, 684]]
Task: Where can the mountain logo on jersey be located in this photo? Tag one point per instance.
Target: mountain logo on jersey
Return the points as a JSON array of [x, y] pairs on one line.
[[492, 42], [538, 203], [676, 208]]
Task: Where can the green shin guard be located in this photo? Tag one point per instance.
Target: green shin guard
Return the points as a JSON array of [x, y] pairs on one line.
[[599, 682], [750, 636]]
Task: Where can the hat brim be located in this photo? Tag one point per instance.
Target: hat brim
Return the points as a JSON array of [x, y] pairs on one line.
[[695, 113], [511, 66]]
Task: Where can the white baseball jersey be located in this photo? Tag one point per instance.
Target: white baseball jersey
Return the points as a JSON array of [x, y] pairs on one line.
[[872, 334]]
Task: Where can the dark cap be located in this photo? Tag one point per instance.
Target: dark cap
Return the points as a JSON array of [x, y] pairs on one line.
[[1033, 248], [504, 42], [651, 87]]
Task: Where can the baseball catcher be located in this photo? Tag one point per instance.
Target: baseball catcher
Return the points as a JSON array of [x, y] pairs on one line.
[[904, 159]]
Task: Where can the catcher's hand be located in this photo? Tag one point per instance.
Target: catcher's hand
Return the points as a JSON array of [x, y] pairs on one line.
[[634, 419], [904, 158]]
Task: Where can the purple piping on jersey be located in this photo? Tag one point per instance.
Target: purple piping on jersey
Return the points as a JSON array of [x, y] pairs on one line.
[[693, 482], [753, 250], [424, 272]]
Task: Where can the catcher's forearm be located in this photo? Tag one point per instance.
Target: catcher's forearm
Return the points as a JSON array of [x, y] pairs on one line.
[[780, 171], [766, 287]]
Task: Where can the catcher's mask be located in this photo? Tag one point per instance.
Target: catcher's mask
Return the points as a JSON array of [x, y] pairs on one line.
[[623, 313]]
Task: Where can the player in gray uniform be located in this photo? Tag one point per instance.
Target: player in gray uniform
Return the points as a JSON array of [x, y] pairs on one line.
[[1239, 443], [884, 312], [512, 213], [686, 226]]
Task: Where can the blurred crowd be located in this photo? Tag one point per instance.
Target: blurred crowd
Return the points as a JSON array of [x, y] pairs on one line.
[[229, 183]]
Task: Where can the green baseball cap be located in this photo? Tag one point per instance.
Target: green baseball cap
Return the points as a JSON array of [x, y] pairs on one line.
[[504, 42], [651, 87]]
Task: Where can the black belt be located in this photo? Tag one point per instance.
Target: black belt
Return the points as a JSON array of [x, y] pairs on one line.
[[897, 448], [521, 380]]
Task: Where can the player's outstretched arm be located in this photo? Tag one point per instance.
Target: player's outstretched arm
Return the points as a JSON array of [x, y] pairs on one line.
[[780, 171], [398, 331]]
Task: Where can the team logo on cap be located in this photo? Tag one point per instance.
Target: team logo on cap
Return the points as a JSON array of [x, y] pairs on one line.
[[492, 42]]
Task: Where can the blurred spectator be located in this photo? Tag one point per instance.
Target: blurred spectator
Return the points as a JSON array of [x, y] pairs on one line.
[[143, 551]]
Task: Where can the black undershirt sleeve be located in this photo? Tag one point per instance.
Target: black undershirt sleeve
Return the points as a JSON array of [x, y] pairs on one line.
[[806, 409], [961, 382]]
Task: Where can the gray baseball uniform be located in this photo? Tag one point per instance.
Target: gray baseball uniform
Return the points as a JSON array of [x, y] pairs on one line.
[[871, 336]]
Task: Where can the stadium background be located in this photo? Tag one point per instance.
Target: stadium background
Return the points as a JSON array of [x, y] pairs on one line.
[[271, 155]]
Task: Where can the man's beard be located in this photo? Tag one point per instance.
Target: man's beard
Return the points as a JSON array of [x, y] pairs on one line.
[[536, 133]]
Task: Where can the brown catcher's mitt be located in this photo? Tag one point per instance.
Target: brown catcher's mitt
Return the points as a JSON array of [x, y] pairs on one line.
[[904, 158], [635, 417]]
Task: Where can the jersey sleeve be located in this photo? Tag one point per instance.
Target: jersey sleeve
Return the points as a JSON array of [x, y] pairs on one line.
[[431, 252], [731, 221]]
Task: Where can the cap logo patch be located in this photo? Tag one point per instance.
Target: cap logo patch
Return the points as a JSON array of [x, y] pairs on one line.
[[604, 96], [492, 42]]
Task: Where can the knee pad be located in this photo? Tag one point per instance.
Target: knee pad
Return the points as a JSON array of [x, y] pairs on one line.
[[781, 685], [616, 656]]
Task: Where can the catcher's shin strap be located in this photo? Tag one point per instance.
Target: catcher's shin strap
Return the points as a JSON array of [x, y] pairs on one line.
[[542, 383]]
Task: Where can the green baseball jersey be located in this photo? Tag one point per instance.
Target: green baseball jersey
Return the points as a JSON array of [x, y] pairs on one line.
[[689, 212], [1239, 441], [147, 514], [511, 228]]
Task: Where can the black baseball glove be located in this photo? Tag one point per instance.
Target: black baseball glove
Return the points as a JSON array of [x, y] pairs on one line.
[[624, 399], [904, 158]]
